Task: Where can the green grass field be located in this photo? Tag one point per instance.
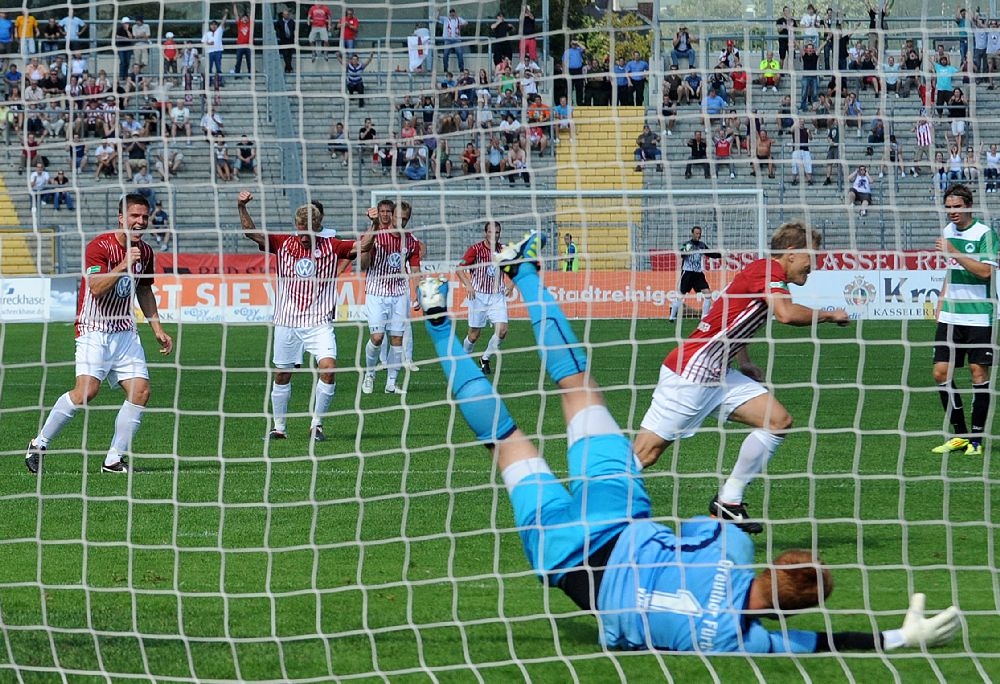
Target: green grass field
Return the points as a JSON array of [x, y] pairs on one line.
[[387, 553]]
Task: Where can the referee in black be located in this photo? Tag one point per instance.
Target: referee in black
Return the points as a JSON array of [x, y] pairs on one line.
[[693, 253]]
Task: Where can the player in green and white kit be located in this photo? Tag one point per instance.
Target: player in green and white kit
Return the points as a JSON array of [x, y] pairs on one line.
[[965, 318]]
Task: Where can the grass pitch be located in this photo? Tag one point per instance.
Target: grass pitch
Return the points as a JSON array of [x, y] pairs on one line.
[[387, 552]]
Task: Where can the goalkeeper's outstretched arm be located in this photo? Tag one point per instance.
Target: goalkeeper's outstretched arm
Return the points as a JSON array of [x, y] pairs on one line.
[[917, 632]]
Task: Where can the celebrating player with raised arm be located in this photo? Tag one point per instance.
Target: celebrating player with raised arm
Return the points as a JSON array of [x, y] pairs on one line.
[[487, 293], [304, 307], [696, 379], [650, 587], [118, 267], [384, 251]]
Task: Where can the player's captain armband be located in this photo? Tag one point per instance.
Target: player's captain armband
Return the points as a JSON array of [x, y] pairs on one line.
[[779, 285], [93, 269]]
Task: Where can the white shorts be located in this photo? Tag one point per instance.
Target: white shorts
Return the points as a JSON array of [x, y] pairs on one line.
[[112, 356], [387, 313], [680, 406], [803, 157], [487, 307], [319, 35], [290, 343], [958, 127]]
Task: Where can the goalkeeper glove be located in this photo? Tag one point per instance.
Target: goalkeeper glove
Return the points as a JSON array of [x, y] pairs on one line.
[[918, 630]]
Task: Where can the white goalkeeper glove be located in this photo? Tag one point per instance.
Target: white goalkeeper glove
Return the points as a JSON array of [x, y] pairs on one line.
[[918, 630]]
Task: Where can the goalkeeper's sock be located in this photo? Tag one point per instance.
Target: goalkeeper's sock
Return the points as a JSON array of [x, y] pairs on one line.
[[59, 416], [468, 345], [372, 355], [492, 347], [951, 400], [324, 397], [561, 352], [280, 395], [980, 409], [706, 304], [482, 408], [756, 450], [675, 307], [126, 425]]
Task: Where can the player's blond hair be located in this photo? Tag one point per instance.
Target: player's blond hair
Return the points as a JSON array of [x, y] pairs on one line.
[[309, 216], [794, 235], [796, 580]]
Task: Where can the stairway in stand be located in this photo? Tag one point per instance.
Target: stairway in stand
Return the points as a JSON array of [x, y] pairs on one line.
[[601, 158]]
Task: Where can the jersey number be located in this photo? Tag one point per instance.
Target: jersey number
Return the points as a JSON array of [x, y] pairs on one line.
[[682, 602]]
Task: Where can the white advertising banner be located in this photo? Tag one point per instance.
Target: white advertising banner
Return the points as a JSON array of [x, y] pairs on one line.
[[875, 294], [24, 299]]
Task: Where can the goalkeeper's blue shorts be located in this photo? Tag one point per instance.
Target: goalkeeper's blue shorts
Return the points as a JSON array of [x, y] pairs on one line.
[[560, 529]]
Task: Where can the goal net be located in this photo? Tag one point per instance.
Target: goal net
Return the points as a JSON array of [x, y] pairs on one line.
[[388, 551]]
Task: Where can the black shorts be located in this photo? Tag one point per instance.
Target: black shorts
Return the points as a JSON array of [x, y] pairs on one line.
[[956, 343], [693, 280]]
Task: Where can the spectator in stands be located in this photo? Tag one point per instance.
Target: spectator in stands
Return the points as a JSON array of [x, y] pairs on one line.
[[943, 82], [501, 30], [493, 158], [958, 112], [6, 34], [29, 151], [135, 151], [144, 183], [53, 36], [964, 29], [991, 171], [910, 74], [470, 159], [180, 120], [719, 82], [510, 128], [861, 189], [38, 184], [77, 154], [56, 124], [894, 151], [830, 25], [853, 113], [484, 112], [246, 158], [466, 85], [832, 150], [12, 78], [715, 106], [573, 59], [160, 222], [416, 162], [740, 78], [517, 164], [563, 120], [810, 25], [892, 70], [647, 149], [123, 45], [770, 75], [699, 155], [223, 164], [786, 34], [869, 66], [61, 194], [348, 26], [876, 135], [168, 163], [940, 172], [955, 163], [244, 41], [596, 84], [26, 32], [785, 120], [730, 55], [801, 156], [212, 124], [106, 159], [354, 75], [690, 89], [738, 128], [970, 171], [622, 93], [529, 29], [140, 39], [924, 131], [537, 138], [723, 147], [366, 136], [320, 20], [451, 38], [284, 29], [637, 70], [980, 37], [810, 76], [762, 153], [338, 142], [683, 47]]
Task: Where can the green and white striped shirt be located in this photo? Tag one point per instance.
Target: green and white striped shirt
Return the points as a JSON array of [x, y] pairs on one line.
[[970, 300]]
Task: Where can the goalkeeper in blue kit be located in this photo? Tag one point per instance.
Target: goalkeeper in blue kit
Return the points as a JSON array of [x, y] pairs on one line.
[[594, 538]]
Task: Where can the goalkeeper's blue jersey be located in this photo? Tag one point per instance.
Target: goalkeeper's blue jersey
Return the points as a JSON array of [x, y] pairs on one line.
[[686, 593]]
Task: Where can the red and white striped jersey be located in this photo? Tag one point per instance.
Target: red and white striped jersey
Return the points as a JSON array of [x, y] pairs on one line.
[[307, 279], [925, 133], [114, 311], [486, 277], [387, 275], [733, 319]]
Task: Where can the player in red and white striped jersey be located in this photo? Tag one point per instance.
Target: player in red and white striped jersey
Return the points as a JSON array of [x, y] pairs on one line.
[[696, 379], [307, 264], [487, 293], [118, 267], [385, 251]]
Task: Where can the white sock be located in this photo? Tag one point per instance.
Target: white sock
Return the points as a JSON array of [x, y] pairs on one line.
[[408, 343], [675, 308], [372, 355], [706, 304], [492, 347], [518, 470], [395, 358], [468, 345], [280, 394], [324, 396], [383, 354], [126, 424], [756, 450], [58, 417]]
